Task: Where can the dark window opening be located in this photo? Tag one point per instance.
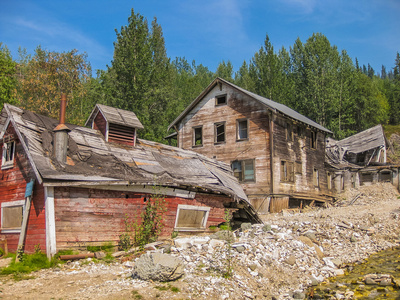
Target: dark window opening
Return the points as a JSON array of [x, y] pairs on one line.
[[287, 171], [197, 136], [220, 100], [313, 140], [219, 133]]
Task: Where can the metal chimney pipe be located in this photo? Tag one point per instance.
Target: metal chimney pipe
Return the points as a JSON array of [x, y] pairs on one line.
[[61, 134]]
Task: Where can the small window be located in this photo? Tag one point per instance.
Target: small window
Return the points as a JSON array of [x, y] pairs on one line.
[[11, 216], [242, 129], [8, 155], [316, 177], [220, 100], [219, 132], [313, 140], [298, 167], [243, 170], [329, 179], [299, 131], [289, 133], [191, 217], [197, 136], [287, 171]]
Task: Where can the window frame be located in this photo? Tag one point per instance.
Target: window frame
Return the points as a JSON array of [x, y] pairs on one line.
[[222, 96], [9, 204], [238, 129], [194, 208], [315, 177], [216, 134], [7, 162], [313, 139], [287, 171], [243, 169], [194, 128]]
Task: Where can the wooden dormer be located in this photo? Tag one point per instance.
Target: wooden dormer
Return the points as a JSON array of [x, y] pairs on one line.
[[117, 125]]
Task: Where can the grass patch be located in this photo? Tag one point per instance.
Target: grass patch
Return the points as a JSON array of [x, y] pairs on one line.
[[167, 287], [136, 295], [30, 263], [106, 247]]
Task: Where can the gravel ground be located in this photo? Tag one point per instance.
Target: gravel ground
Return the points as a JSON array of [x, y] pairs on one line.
[[277, 260]]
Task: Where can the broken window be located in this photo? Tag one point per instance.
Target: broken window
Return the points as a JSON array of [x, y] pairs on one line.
[[287, 171], [298, 167], [313, 140], [198, 136], [220, 100], [11, 216], [8, 154], [219, 132], [243, 170], [242, 129], [316, 177], [189, 217]]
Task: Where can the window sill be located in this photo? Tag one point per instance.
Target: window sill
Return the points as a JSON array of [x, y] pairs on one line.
[[242, 140], [189, 229], [8, 165], [11, 230], [197, 146], [219, 143]]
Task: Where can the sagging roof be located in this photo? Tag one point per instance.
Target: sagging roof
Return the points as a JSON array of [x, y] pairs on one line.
[[363, 141], [272, 105], [115, 116], [92, 159]]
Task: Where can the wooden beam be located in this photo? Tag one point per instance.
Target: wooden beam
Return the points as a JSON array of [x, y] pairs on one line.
[[51, 247]]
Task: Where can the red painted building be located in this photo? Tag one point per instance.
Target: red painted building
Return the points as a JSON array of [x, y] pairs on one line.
[[88, 180]]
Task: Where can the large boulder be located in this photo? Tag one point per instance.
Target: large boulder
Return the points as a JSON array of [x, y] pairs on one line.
[[158, 267]]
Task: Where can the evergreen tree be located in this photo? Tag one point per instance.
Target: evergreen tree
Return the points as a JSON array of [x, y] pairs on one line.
[[225, 71]]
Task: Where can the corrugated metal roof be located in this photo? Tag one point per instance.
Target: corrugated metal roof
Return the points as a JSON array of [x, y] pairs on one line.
[[115, 116], [272, 105]]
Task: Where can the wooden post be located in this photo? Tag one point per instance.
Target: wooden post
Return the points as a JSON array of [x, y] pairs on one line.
[[28, 200]]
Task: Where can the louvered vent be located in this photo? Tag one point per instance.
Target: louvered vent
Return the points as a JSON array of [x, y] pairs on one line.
[[121, 134]]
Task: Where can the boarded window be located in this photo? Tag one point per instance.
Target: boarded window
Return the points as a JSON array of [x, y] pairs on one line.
[[189, 217], [289, 133], [220, 100], [329, 179], [366, 177], [8, 154], [316, 177], [287, 171], [11, 215], [197, 136], [313, 140], [243, 170], [298, 167], [219, 132], [242, 129]]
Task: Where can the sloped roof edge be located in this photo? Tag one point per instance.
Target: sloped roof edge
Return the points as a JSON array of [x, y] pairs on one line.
[[272, 105]]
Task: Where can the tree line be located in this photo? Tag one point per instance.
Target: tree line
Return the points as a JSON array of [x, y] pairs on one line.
[[313, 78]]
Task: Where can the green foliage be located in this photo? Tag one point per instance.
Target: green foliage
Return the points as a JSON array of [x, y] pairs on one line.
[[30, 263], [8, 81], [174, 234], [147, 230], [167, 287], [106, 247]]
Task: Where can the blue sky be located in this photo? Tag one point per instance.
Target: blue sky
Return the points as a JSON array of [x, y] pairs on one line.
[[207, 31]]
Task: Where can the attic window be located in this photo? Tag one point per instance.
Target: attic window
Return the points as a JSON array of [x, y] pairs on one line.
[[220, 100], [8, 155], [190, 217]]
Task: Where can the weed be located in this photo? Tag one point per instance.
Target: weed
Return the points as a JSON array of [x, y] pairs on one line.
[[174, 234], [18, 277], [167, 287], [136, 294], [38, 249], [106, 247], [175, 289], [162, 287]]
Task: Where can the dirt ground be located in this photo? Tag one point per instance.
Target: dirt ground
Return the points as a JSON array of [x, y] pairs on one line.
[[377, 208]]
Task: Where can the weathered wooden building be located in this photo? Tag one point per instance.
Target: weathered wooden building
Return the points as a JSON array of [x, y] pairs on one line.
[[276, 153], [360, 159], [87, 181]]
